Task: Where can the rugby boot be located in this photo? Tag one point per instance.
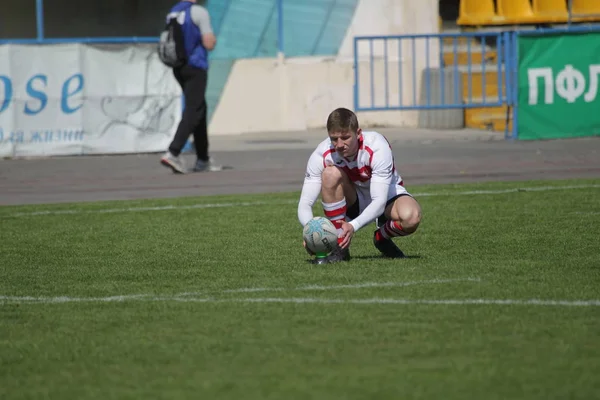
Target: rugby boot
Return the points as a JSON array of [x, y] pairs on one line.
[[336, 255], [387, 247]]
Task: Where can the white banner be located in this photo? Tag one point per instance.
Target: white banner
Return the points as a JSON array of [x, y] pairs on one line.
[[75, 98]]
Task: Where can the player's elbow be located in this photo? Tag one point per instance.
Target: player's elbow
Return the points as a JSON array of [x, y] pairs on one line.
[[209, 41]]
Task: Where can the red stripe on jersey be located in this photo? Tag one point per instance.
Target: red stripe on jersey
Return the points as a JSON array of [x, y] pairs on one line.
[[328, 152], [358, 175], [370, 151]]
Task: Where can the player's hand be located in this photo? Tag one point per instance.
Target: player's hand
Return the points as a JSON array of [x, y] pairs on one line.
[[346, 235], [310, 253]]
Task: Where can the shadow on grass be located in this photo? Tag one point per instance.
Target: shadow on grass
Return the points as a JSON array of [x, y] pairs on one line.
[[377, 257]]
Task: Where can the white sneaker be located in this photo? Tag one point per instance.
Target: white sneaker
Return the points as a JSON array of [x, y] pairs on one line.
[[176, 163], [207, 166]]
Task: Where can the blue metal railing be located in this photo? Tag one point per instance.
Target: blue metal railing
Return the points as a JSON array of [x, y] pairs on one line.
[[436, 71], [488, 58], [426, 57], [39, 19]]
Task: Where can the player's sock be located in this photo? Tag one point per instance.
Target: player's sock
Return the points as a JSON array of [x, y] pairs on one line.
[[390, 230], [336, 213]]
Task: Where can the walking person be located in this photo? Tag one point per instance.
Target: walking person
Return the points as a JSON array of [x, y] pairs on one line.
[[195, 32]]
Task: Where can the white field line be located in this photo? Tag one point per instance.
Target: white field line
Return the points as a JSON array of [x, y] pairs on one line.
[[333, 287], [184, 296], [275, 203], [190, 297], [311, 300], [512, 190], [506, 302], [140, 209]]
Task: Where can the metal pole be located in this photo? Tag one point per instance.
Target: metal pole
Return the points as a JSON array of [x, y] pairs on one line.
[[39, 14], [356, 99], [570, 12], [280, 29]]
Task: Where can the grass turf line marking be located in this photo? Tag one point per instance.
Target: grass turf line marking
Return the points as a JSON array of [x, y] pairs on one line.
[[507, 302], [333, 287], [141, 209], [183, 296], [309, 300], [263, 203], [506, 191]]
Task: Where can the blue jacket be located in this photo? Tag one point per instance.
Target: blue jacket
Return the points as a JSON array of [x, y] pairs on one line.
[[197, 54]]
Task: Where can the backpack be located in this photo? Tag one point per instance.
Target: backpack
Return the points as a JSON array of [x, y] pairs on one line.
[[171, 48]]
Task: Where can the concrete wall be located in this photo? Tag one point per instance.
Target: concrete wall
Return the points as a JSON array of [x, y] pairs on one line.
[[299, 93]]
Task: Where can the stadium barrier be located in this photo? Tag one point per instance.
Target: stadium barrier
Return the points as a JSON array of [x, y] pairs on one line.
[[527, 83], [45, 130], [435, 72], [132, 104], [45, 81], [558, 85]]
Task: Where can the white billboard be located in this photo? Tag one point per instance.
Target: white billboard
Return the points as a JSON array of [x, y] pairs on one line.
[[69, 99]]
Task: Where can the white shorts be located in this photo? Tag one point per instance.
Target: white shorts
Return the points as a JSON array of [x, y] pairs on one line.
[[363, 196]]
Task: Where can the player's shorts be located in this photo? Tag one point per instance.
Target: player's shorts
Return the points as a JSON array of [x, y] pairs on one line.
[[363, 199]]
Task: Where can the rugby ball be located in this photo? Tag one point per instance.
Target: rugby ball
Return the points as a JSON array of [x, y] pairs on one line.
[[320, 235]]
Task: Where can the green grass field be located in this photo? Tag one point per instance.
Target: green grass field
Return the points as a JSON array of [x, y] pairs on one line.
[[213, 298]]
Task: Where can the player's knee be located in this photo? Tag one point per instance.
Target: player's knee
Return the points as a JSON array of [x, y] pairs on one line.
[[410, 219], [331, 177]]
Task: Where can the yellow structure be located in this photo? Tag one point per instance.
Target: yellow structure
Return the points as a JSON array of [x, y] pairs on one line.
[[477, 12], [479, 82], [525, 12], [551, 10], [474, 14], [586, 10]]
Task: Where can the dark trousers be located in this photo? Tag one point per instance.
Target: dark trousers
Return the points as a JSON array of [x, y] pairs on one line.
[[193, 121]]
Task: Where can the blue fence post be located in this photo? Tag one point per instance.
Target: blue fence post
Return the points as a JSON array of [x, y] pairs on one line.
[[280, 46], [356, 104], [514, 36], [39, 16], [371, 76], [507, 49], [500, 61]]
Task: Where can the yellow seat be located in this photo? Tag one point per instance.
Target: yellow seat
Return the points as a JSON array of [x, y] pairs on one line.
[[517, 12], [551, 10], [477, 12], [582, 7]]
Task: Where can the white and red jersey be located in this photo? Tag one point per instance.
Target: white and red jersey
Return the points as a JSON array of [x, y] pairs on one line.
[[372, 166], [374, 161]]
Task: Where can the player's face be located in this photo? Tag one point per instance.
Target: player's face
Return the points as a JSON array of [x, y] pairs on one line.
[[345, 143]]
